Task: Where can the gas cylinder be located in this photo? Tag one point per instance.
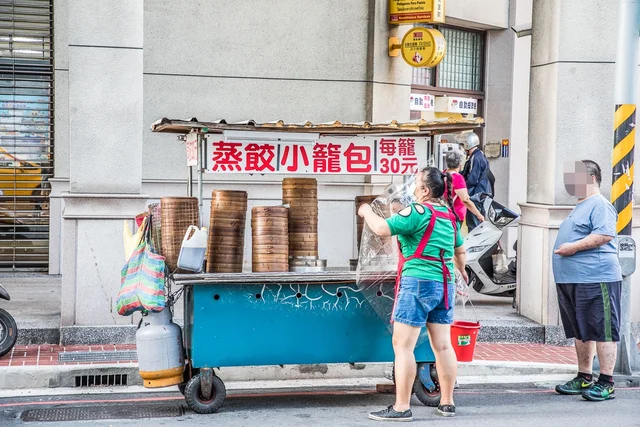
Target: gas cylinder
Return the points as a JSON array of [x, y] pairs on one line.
[[160, 352]]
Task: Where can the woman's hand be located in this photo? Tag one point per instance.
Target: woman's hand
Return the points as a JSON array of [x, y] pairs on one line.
[[364, 208], [480, 217], [376, 223], [465, 276]]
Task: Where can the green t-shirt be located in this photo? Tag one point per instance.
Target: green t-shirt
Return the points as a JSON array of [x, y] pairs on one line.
[[410, 225]]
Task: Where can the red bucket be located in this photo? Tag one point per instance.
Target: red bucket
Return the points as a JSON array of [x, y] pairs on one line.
[[463, 339]]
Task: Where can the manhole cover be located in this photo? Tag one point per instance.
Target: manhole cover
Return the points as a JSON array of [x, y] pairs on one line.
[[90, 413], [98, 356]]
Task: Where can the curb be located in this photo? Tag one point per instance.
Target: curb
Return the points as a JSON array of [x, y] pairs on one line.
[[492, 331], [70, 376]]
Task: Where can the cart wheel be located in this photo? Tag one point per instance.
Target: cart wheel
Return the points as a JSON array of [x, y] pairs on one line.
[[198, 403], [428, 398]]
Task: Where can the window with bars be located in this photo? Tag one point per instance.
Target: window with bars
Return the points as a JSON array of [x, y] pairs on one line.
[[462, 66], [26, 132]]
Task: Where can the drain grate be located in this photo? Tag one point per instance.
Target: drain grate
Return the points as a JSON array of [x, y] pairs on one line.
[[89, 413], [101, 380], [98, 356]]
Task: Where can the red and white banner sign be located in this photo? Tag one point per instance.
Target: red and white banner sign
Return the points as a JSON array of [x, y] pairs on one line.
[[191, 141], [326, 155]]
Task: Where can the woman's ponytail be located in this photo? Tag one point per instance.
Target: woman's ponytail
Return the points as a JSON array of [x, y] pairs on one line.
[[449, 192]]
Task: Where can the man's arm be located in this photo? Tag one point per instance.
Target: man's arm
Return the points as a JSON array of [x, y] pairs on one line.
[[590, 242], [476, 172]]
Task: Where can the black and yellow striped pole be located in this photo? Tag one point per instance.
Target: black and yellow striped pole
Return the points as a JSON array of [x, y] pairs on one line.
[[624, 142], [628, 359]]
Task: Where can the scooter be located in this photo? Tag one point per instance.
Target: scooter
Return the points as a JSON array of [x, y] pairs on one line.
[[8, 327], [483, 244]]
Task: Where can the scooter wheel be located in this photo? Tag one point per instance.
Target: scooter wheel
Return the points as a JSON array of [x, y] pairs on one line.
[[8, 332]]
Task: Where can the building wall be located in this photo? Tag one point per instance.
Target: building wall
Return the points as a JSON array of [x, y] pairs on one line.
[[293, 61], [215, 60], [483, 14]]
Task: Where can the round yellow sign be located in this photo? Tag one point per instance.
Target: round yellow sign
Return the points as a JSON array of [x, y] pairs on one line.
[[423, 47]]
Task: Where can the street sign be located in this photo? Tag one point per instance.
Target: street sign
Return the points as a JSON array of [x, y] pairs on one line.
[[191, 141], [627, 255], [421, 102], [413, 11], [325, 155], [423, 47]]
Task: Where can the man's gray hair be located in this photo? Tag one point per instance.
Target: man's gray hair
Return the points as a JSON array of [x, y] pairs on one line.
[[453, 159], [593, 169]]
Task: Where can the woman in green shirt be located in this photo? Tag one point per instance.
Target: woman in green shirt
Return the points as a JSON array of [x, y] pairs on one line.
[[431, 247]]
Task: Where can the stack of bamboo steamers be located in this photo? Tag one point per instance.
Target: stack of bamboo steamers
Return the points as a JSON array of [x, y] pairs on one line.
[[270, 239], [283, 237], [176, 215], [301, 194], [225, 248]]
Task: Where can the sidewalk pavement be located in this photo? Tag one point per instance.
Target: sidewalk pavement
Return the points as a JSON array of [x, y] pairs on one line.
[[48, 355], [40, 368]]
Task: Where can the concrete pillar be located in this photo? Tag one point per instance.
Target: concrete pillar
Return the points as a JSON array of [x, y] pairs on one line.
[[105, 87], [571, 99], [389, 78], [517, 180]]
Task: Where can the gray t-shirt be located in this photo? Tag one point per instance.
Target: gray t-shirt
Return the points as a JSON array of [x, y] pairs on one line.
[[594, 215]]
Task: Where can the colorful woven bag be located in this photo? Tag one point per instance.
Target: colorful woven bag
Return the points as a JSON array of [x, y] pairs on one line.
[[142, 279]]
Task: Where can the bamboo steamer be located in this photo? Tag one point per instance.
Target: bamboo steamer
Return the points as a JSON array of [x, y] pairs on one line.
[[270, 239], [361, 200], [177, 214], [225, 247], [301, 194], [229, 268], [295, 254], [270, 267]]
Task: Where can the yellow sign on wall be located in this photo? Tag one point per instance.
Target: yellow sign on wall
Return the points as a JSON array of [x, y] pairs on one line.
[[423, 47], [411, 11]]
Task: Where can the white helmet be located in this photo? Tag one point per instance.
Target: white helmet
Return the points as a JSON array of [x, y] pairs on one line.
[[469, 140]]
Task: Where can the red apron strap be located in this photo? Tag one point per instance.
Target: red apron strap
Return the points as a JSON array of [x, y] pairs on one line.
[[419, 254], [427, 234]]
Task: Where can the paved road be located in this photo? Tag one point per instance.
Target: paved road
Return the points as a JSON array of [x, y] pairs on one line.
[[476, 407]]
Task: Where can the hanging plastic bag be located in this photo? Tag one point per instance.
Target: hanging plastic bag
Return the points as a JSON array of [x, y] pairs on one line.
[[142, 279], [132, 241], [500, 262]]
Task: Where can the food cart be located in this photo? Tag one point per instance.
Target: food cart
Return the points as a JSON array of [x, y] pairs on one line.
[[258, 319]]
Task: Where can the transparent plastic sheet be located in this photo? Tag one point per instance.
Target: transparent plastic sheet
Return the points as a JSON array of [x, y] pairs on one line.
[[378, 258]]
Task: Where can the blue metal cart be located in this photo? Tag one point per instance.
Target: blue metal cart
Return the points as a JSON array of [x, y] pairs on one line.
[[257, 319], [249, 319]]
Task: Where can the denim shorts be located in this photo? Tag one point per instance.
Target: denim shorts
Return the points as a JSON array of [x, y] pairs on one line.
[[421, 301]]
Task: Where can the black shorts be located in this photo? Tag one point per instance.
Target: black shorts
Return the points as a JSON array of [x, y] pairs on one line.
[[590, 311]]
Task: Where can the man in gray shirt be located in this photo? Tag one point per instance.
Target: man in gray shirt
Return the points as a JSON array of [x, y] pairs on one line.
[[589, 281]]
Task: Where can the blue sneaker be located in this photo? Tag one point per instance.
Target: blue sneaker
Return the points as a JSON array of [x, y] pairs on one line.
[[576, 386], [600, 392]]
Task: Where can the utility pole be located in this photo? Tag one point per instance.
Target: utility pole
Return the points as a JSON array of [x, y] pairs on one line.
[[623, 168]]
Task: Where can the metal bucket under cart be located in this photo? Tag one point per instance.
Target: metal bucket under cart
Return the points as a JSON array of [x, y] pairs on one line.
[[283, 319]]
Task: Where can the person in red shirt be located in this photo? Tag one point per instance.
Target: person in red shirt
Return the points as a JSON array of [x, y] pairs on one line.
[[461, 200]]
